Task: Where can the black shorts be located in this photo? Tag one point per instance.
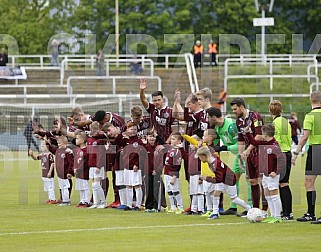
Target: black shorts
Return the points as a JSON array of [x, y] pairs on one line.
[[285, 173], [313, 162]]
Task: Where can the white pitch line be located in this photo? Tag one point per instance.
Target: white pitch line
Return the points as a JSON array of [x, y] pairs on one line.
[[118, 228], [14, 159]]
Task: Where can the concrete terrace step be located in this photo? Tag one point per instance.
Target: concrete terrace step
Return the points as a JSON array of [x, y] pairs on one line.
[[41, 76], [172, 79]]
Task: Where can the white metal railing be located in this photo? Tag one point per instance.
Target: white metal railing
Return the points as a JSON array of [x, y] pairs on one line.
[[271, 96], [270, 62], [316, 84], [309, 69], [113, 78], [291, 59], [25, 88], [191, 73], [122, 98], [163, 60], [142, 61], [316, 70], [66, 62]]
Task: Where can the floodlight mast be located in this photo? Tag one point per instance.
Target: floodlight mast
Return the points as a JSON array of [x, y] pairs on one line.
[[257, 5], [271, 5], [263, 5]]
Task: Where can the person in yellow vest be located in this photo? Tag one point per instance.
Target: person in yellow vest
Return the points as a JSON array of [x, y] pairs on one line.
[[212, 50], [198, 51]]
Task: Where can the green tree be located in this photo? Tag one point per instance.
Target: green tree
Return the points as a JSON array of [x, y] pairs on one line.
[[32, 23], [135, 17]]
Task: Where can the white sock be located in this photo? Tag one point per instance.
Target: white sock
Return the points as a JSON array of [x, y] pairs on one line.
[[216, 202], [276, 202], [82, 196], [95, 193], [129, 191], [179, 201], [51, 194], [194, 203], [65, 195], [209, 202], [87, 195], [200, 205], [270, 204], [123, 196], [172, 202], [241, 203], [98, 193], [139, 196], [101, 195]]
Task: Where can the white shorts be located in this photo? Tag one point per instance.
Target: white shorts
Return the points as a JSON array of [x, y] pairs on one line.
[[63, 183], [231, 190], [94, 175], [271, 183], [194, 186], [168, 186], [81, 184], [132, 178], [48, 183], [208, 187], [119, 177]]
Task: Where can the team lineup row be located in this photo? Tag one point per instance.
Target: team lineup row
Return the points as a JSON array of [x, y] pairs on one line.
[[141, 150]]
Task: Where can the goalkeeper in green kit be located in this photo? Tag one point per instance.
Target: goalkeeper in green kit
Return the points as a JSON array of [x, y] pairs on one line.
[[227, 132]]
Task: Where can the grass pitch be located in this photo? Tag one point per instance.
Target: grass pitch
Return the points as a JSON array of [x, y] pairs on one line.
[[27, 224]]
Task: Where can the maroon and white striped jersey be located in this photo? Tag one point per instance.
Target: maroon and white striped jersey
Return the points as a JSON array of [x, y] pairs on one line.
[[150, 151], [256, 121], [223, 173], [81, 163], [96, 152], [116, 120], [162, 120], [173, 161], [194, 163], [132, 153], [47, 159], [142, 127], [194, 121], [86, 128], [64, 160], [271, 158]]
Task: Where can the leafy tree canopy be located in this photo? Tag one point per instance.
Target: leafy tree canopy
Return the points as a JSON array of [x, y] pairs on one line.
[[154, 26]]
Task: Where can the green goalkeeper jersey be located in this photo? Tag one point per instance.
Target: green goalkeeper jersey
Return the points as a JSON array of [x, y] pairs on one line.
[[228, 134]]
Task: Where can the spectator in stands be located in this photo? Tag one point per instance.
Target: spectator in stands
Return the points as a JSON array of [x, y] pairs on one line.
[[3, 57], [136, 67], [212, 50], [198, 51], [295, 126], [28, 135], [100, 58], [54, 52]]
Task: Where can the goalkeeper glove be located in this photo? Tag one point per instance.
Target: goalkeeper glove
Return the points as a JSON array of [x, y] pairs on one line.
[[220, 148]]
